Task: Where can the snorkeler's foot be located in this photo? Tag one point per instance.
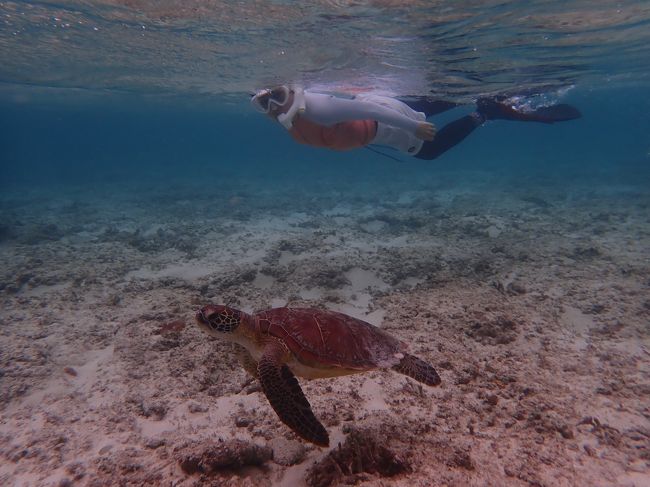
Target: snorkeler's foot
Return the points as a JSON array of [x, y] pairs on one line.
[[497, 108]]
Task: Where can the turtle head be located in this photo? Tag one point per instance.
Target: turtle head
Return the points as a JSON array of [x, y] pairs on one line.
[[218, 319]]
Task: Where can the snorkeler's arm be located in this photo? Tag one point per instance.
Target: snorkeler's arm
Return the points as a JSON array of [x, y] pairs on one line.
[[329, 110]]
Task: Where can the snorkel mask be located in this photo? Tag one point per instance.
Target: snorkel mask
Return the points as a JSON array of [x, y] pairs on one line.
[[264, 100]]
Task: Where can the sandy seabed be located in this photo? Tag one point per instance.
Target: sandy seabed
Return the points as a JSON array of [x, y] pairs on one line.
[[531, 298]]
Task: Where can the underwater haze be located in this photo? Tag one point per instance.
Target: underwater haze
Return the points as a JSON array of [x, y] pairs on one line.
[[138, 183]]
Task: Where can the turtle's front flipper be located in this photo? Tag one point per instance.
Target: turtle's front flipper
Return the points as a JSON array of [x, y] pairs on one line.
[[418, 369], [286, 397]]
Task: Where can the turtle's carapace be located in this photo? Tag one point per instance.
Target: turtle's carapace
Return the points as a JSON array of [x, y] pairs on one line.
[[279, 343]]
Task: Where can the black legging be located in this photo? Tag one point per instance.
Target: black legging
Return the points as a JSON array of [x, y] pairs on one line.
[[449, 135], [487, 109]]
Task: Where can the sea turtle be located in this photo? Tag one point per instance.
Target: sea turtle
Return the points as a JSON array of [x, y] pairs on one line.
[[277, 343]]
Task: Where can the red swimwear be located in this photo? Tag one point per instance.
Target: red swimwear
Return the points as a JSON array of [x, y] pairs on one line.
[[340, 136]]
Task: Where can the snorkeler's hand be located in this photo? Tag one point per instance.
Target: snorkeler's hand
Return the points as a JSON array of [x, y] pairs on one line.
[[425, 131]]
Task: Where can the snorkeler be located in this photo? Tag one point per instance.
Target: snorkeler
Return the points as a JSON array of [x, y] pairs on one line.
[[322, 120]]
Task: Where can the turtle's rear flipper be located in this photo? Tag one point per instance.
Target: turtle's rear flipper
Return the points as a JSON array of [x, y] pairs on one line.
[[286, 397], [418, 369]]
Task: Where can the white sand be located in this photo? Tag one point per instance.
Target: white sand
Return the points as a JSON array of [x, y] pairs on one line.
[[536, 318]]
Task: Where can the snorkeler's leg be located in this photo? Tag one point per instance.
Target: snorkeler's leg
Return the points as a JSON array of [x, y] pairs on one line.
[[497, 109], [450, 135], [428, 106]]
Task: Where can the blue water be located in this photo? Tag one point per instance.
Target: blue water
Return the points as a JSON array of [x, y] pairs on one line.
[[93, 93], [126, 138]]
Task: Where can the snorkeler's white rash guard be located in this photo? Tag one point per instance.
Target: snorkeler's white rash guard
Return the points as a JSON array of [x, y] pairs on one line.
[[396, 121]]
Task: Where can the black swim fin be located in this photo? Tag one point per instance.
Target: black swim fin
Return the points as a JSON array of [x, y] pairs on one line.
[[496, 109], [556, 113]]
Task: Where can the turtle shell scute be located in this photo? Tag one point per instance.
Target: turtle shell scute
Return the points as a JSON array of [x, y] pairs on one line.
[[327, 338]]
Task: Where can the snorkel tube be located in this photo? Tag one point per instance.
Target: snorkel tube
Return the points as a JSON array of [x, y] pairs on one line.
[[297, 106]]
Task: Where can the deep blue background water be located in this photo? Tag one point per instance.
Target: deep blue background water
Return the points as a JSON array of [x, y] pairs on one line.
[[118, 138]]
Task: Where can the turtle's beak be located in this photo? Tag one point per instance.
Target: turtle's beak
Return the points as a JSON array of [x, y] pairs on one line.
[[200, 317], [204, 323]]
